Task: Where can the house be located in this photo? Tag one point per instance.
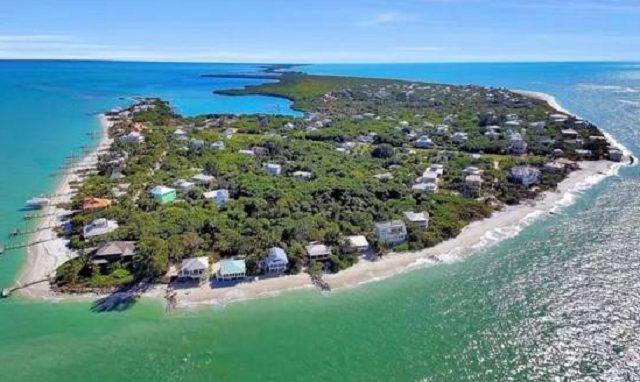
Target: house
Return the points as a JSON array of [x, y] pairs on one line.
[[162, 194], [220, 196], [442, 130], [473, 185], [99, 227], [557, 117], [517, 144], [302, 174], [317, 251], [111, 251], [196, 144], [569, 134], [183, 185], [194, 269], [179, 133], [424, 142], [553, 166], [272, 168], [246, 152], [525, 175], [384, 176], [492, 135], [217, 145], [391, 232], [232, 270], [133, 137], [357, 243], [421, 219], [95, 204], [459, 137], [429, 177], [276, 261], [472, 170], [203, 179], [426, 187], [437, 168], [615, 155], [582, 153], [257, 150]]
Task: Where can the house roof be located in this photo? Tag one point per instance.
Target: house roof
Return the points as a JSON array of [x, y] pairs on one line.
[[276, 256], [358, 241], [95, 203], [389, 224], [115, 249], [232, 267], [161, 190], [416, 216], [316, 249], [195, 264]]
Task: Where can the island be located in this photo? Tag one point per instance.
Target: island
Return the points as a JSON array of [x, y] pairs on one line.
[[375, 169]]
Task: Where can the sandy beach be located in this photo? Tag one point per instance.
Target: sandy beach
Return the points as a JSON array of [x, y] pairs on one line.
[[43, 259]]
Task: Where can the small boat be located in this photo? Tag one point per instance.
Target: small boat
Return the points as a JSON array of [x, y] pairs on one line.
[[38, 202]]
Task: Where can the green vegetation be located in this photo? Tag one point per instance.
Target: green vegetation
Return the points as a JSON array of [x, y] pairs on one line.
[[354, 130]]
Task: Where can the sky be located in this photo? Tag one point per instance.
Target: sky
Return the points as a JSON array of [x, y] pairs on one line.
[[321, 31]]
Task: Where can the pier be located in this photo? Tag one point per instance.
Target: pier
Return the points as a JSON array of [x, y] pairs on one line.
[[6, 292]]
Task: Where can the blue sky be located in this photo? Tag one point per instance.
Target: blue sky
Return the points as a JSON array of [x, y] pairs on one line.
[[322, 30]]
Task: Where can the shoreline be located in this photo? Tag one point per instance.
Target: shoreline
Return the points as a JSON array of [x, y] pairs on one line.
[[43, 259]]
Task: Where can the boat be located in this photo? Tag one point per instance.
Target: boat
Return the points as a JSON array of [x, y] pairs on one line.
[[38, 202]]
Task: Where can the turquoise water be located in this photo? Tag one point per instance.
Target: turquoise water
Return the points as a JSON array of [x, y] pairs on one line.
[[559, 300]]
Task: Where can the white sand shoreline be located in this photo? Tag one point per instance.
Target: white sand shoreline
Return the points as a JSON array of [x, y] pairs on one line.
[[43, 259]]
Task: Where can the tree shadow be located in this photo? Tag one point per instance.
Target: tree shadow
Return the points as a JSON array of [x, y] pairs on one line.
[[120, 300]]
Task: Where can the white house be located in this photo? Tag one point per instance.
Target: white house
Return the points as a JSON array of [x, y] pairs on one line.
[[195, 269], [517, 145], [421, 219], [317, 251], [183, 185], [220, 196], [99, 227], [302, 174], [525, 175], [203, 179], [357, 243], [272, 168], [426, 187], [391, 232], [132, 137], [217, 145], [558, 117], [553, 166], [460, 137]]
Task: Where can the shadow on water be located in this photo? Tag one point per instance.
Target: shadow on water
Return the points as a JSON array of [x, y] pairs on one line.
[[120, 300]]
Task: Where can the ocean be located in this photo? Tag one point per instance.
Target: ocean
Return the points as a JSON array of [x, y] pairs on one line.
[[559, 300]]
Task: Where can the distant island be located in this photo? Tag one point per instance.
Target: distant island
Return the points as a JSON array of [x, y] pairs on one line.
[[375, 168]]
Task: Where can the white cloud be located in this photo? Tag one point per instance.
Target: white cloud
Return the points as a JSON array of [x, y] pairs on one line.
[[386, 18], [26, 38]]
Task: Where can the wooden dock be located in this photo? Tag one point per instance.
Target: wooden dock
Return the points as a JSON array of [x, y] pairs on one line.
[[6, 292]]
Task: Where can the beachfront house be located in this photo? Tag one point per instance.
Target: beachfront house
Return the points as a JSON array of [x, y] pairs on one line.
[[391, 232], [317, 251], [473, 185], [553, 166], [276, 262], [112, 251], [424, 142], [99, 227], [615, 155], [95, 204], [232, 270], [357, 243], [163, 194], [525, 175], [272, 168], [558, 118], [195, 269], [420, 219], [220, 196]]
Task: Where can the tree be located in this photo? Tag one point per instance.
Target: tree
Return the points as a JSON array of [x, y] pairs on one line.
[[151, 259], [382, 151]]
